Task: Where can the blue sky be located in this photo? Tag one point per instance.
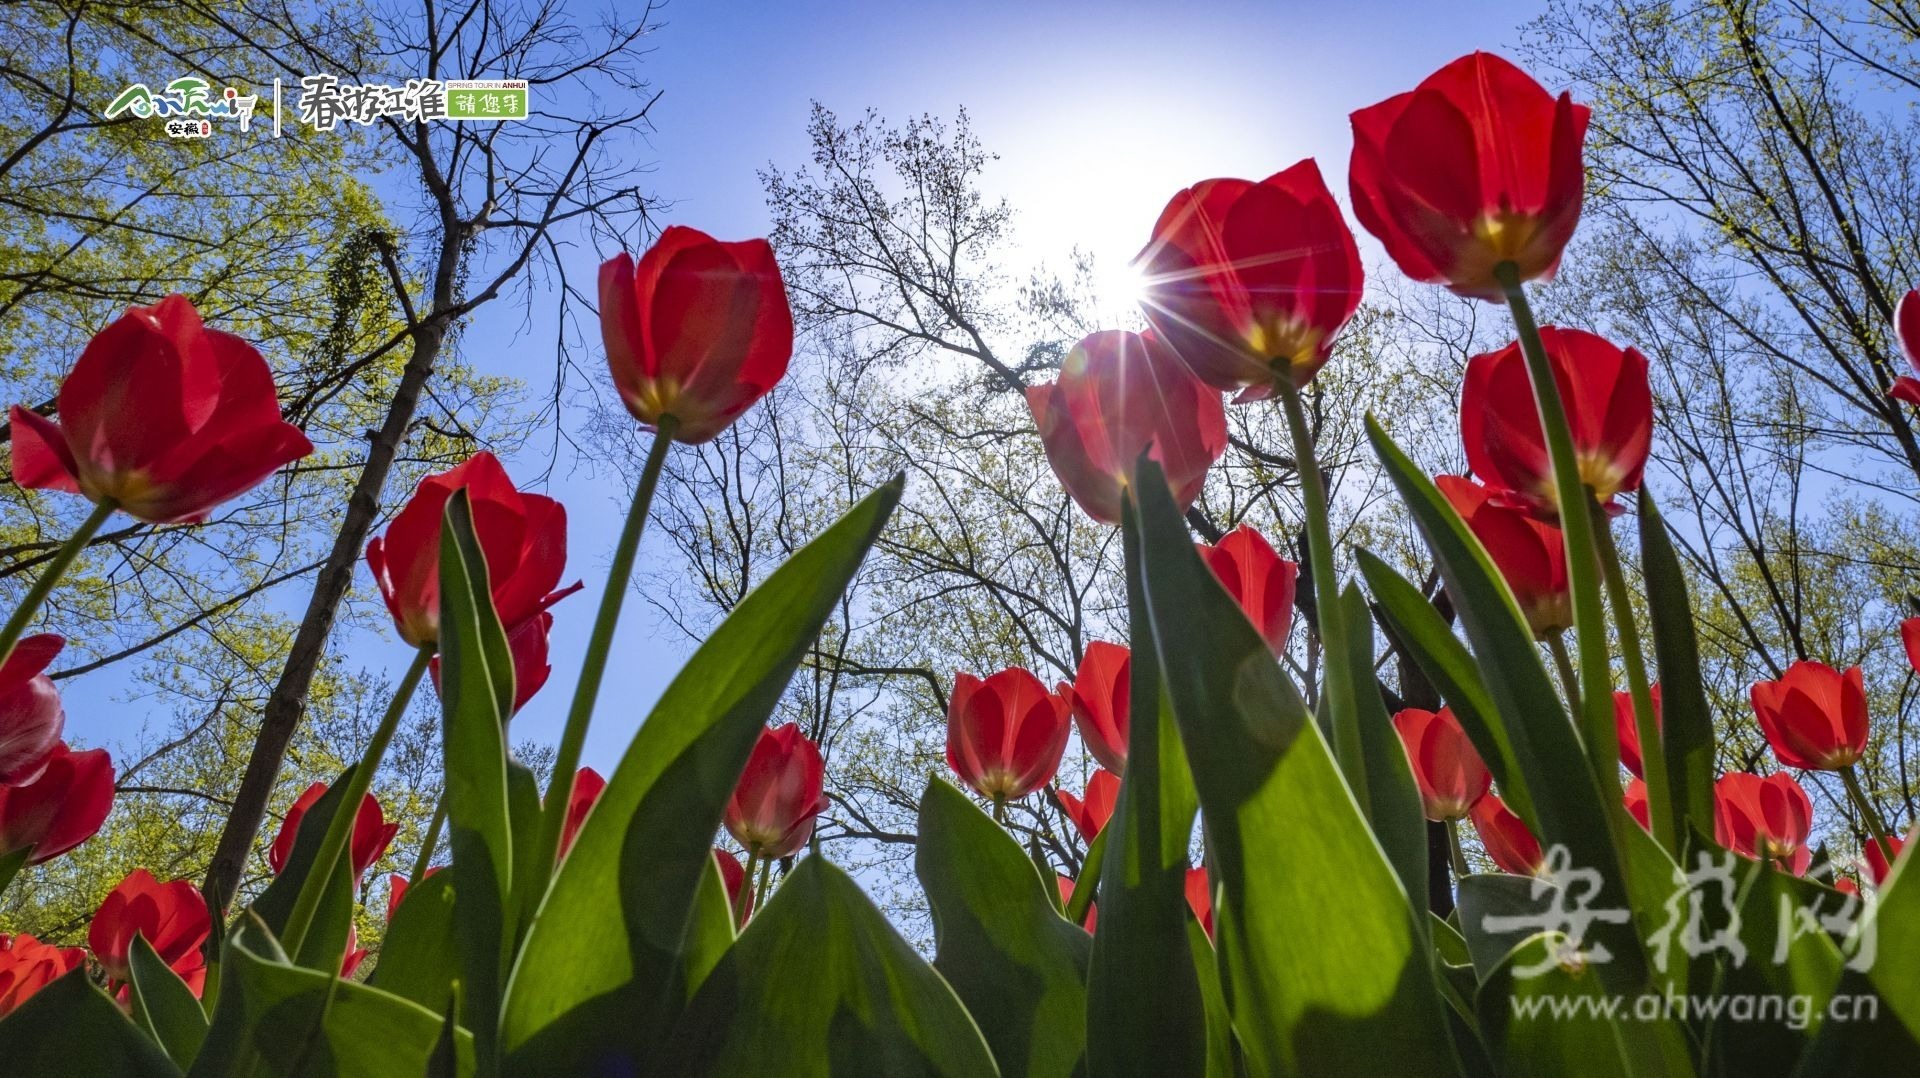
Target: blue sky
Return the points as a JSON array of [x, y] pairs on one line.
[[1099, 113]]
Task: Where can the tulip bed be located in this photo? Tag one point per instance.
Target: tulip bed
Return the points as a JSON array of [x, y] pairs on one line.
[[1255, 892]]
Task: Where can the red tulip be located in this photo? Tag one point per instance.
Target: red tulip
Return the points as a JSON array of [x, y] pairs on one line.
[[397, 889], [1477, 166], [1066, 885], [1448, 771], [1814, 716], [372, 834], [27, 966], [1763, 818], [1005, 735], [1261, 581], [585, 792], [1119, 394], [1910, 636], [31, 717], [1102, 697], [172, 917], [165, 417], [734, 875], [527, 647], [1200, 898], [772, 810], [1508, 841], [355, 954], [1627, 727], [523, 536], [699, 330], [61, 808], [1846, 886], [1906, 326], [1877, 864], [1249, 283], [1091, 814], [1636, 802], [1609, 407], [1530, 554]]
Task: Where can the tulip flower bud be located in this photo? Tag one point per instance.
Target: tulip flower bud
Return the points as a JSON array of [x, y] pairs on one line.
[[1609, 407], [1261, 581], [27, 966], [31, 718], [1530, 554], [1119, 395], [1448, 771], [1249, 283], [162, 415], [699, 330], [585, 792], [1101, 697], [1635, 798], [780, 793], [1878, 866], [1475, 167], [61, 807], [372, 834], [1906, 329], [1766, 818], [171, 916], [1091, 812], [523, 537], [1626, 726], [1814, 716], [1509, 843], [1005, 734]]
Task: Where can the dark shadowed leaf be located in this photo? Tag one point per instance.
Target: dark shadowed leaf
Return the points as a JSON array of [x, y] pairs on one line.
[[604, 967], [71, 1027], [1686, 723], [1324, 967], [822, 983], [164, 1004], [1018, 967]]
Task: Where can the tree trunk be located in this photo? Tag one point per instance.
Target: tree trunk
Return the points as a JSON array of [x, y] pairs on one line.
[[288, 702]]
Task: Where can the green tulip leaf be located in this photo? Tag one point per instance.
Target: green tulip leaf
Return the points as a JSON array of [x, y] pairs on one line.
[[1141, 882], [419, 957], [1324, 968], [1392, 799], [326, 941], [820, 982], [164, 1004], [1017, 966], [605, 964], [1880, 983], [1686, 722], [71, 1027], [475, 698], [1542, 1017], [276, 1018], [1563, 793]]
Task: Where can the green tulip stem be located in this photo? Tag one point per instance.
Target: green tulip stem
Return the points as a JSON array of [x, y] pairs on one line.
[[766, 883], [566, 757], [1557, 646], [340, 828], [1869, 815], [1000, 811], [1339, 685], [1087, 886], [1454, 851], [63, 560], [424, 861], [1595, 708], [743, 901], [1653, 758]]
